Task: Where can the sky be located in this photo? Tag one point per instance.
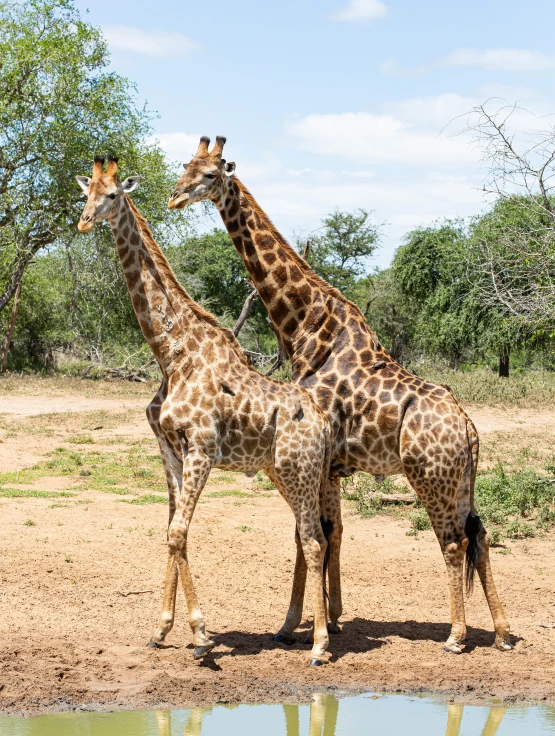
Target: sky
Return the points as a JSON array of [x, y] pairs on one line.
[[336, 103]]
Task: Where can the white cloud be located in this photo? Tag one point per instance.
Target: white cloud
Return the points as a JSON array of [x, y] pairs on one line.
[[150, 43], [506, 60], [178, 146], [360, 174], [393, 68], [406, 132], [361, 10], [297, 172]]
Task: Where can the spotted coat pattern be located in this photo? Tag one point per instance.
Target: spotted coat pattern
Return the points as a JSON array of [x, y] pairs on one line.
[[384, 419], [213, 411]]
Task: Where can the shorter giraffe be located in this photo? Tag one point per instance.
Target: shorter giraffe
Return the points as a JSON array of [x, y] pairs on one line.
[[212, 410]]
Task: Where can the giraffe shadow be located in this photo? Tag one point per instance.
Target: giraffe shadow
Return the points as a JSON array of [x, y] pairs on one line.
[[358, 635], [377, 631]]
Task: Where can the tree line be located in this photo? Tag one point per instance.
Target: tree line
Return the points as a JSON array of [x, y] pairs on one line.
[[479, 291]]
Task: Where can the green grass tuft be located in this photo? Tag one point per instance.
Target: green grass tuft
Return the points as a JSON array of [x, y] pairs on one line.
[[28, 493], [146, 499], [226, 494], [262, 483]]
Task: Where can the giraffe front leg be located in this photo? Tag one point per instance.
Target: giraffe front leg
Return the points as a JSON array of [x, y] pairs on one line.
[[196, 469], [173, 468], [167, 617]]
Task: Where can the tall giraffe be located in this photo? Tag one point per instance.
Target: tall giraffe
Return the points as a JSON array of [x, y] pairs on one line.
[[384, 419], [212, 409]]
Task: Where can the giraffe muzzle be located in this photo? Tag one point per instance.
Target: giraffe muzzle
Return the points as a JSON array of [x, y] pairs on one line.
[[178, 200], [86, 223]]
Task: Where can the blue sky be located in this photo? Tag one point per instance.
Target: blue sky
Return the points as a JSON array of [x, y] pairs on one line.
[[336, 102]]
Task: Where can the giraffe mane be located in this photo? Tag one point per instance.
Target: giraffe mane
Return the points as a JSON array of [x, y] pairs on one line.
[[164, 268], [311, 275]]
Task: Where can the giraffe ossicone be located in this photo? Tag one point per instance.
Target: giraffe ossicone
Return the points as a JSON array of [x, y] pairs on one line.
[[384, 419], [213, 410]]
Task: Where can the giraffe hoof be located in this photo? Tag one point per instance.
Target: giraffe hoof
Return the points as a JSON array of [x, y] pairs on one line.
[[199, 652], [334, 628], [504, 645], [316, 663], [153, 644], [453, 648], [285, 638]]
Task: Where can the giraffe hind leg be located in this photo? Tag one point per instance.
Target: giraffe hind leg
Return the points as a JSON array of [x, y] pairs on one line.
[[483, 567]]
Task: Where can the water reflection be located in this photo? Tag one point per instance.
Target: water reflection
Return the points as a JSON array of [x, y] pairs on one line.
[[454, 718], [193, 726], [323, 719]]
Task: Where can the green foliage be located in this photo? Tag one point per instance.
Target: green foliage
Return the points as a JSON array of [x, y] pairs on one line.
[[419, 521], [339, 251], [148, 498], [359, 488], [229, 494], [58, 107], [18, 493], [261, 482], [429, 270], [481, 386]]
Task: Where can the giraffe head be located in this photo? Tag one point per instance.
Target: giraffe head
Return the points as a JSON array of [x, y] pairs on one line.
[[103, 191], [204, 176]]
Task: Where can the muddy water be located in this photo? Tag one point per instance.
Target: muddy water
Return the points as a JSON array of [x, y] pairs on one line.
[[325, 716]]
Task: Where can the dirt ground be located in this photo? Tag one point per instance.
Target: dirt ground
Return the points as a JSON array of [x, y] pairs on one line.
[[81, 575]]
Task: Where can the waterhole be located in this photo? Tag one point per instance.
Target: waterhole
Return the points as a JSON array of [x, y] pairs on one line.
[[326, 715]]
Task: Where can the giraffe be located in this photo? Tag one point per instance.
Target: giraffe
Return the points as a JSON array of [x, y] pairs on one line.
[[384, 419], [212, 409]]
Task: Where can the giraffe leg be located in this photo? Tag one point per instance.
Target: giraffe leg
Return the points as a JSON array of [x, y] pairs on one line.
[[295, 612], [450, 534], [173, 468], [331, 511], [196, 468], [453, 554], [291, 713], [500, 621], [495, 717], [314, 547], [454, 718], [167, 617]]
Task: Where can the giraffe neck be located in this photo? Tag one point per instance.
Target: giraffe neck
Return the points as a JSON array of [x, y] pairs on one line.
[[174, 326], [307, 312]]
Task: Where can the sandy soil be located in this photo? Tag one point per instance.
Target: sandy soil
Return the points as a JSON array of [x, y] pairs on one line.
[[70, 636]]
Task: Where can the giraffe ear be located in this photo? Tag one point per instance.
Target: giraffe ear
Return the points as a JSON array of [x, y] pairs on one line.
[[130, 184], [229, 168], [84, 182]]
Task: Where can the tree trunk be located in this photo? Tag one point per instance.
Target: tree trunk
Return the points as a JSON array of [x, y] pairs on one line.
[[9, 333], [504, 355], [247, 307]]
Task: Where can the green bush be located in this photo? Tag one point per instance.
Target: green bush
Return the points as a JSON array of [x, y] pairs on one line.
[[419, 520]]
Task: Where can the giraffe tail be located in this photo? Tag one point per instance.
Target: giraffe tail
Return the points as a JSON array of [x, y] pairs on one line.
[[327, 524], [327, 528], [473, 526]]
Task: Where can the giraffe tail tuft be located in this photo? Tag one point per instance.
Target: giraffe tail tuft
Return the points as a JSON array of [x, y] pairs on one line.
[[327, 528], [472, 529]]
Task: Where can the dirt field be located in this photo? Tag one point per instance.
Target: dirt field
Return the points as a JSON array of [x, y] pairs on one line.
[[74, 626]]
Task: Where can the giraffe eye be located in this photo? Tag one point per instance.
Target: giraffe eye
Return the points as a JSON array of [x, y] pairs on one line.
[[112, 196], [210, 176]]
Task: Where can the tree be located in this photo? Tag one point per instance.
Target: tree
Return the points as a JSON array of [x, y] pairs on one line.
[[388, 311], [339, 251], [513, 254], [429, 270], [58, 107]]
